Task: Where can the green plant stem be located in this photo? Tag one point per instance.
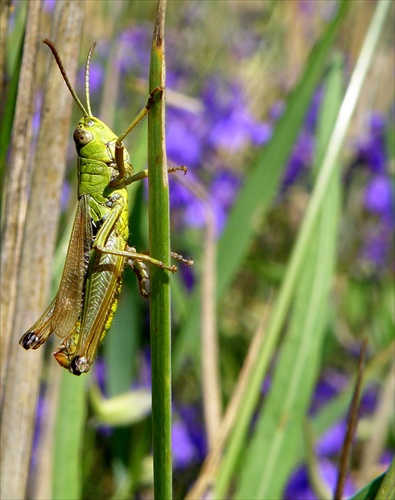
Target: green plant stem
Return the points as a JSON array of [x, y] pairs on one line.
[[159, 234]]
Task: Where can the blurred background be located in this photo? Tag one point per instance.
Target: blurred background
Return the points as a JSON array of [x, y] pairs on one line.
[[248, 113]]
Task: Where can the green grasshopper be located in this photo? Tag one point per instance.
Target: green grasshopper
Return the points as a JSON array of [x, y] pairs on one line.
[[83, 309]]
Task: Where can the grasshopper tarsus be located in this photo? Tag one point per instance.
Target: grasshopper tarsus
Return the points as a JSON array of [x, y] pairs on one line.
[[179, 257], [179, 168]]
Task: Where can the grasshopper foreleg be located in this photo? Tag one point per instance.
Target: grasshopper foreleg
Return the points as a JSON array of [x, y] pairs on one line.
[[119, 147], [143, 174]]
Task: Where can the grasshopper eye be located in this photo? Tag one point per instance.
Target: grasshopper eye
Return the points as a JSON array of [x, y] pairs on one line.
[[82, 137]]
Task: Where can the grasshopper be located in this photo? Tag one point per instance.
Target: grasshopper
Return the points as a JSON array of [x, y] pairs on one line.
[[83, 309]]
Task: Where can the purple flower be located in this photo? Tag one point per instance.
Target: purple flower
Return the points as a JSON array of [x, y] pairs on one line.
[[224, 188], [222, 192], [235, 128], [312, 113], [38, 100], [331, 442], [180, 195], [188, 437], [379, 196], [66, 195], [41, 413], [277, 110], [194, 214], [193, 420], [327, 388], [369, 400], [301, 158], [184, 138], [377, 247], [101, 374], [231, 124], [134, 53], [299, 485], [49, 6], [371, 150], [183, 448]]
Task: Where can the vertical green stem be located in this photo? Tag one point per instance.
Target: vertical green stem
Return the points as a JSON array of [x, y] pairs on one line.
[[159, 232]]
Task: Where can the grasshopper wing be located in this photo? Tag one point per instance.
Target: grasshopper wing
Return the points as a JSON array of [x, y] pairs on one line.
[[69, 299], [65, 309]]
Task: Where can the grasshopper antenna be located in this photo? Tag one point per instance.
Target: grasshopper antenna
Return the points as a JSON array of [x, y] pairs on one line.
[[65, 77], [87, 68]]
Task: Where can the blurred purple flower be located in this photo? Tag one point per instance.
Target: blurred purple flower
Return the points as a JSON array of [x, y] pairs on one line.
[[222, 192], [194, 214], [183, 448], [134, 54], [325, 390], [41, 411], [66, 195], [369, 400], [312, 113], [235, 128], [301, 158], [379, 196], [277, 110], [38, 100], [100, 374], [96, 77], [193, 421], [231, 124], [180, 195], [49, 6], [188, 437], [331, 442], [187, 275], [184, 137], [144, 378], [371, 150], [299, 485], [224, 188], [377, 248]]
